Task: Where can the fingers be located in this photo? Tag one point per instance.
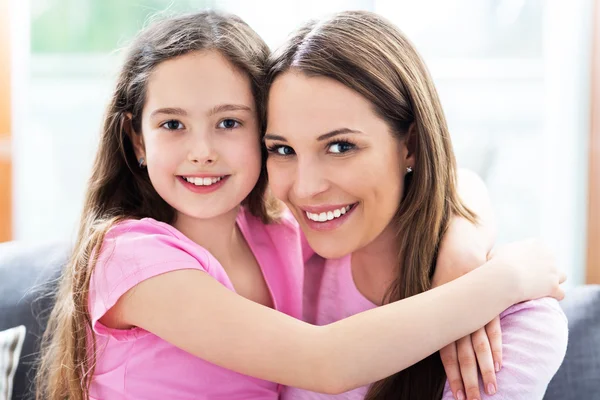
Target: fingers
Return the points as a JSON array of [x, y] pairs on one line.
[[468, 367], [494, 334], [559, 293], [449, 358], [563, 277], [483, 353]]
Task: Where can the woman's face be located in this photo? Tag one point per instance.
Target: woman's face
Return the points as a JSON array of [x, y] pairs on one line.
[[333, 161]]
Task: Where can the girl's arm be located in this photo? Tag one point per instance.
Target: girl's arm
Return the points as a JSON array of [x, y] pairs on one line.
[[194, 312]]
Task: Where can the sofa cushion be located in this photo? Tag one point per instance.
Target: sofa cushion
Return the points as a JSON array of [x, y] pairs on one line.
[[11, 343], [579, 375], [28, 277]]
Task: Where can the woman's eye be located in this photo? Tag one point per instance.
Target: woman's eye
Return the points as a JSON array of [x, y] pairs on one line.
[[172, 125], [340, 147], [229, 124], [281, 150]]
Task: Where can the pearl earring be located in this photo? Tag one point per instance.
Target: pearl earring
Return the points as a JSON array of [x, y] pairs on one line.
[[141, 162]]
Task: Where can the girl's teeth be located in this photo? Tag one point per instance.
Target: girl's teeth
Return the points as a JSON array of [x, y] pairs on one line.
[[327, 216], [203, 181]]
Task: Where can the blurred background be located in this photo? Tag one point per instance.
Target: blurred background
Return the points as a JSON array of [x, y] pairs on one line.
[[518, 80]]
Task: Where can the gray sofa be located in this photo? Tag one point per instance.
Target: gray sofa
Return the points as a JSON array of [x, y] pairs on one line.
[[28, 273]]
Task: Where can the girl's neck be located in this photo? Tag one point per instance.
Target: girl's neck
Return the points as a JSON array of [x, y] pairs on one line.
[[219, 235], [375, 266]]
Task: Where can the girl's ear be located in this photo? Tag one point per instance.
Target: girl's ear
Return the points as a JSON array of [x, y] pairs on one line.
[[137, 139]]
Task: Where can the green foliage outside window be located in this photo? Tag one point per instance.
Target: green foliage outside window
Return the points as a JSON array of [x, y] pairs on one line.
[[96, 26]]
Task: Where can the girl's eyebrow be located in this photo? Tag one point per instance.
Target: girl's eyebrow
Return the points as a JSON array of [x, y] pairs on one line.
[[229, 107], [169, 111], [215, 110]]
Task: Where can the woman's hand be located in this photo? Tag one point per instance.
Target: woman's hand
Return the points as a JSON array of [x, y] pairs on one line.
[[463, 249]]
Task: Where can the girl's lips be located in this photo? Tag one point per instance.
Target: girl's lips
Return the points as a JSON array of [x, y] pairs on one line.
[[203, 189]]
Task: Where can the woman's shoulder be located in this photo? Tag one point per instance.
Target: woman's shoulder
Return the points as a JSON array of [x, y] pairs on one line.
[[284, 223]]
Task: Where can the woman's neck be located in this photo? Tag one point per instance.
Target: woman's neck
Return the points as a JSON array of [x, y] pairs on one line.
[[219, 235], [375, 266]]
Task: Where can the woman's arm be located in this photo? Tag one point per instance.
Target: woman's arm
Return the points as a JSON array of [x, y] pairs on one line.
[[464, 247], [535, 337], [191, 310]]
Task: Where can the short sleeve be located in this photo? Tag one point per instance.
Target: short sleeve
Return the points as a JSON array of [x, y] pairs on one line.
[[133, 251]]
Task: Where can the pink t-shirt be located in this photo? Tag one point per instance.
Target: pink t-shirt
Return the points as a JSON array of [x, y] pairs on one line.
[[136, 364], [534, 333]]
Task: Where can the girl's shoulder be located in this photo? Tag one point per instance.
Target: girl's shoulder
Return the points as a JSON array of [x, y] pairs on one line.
[[147, 241], [144, 226]]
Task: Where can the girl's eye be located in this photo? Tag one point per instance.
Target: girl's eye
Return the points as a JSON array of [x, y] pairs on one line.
[[229, 124], [173, 125], [340, 147], [281, 150]]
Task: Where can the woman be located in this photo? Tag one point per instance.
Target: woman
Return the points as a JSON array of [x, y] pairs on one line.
[[360, 152]]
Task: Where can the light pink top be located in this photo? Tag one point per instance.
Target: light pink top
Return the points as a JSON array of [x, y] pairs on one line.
[[135, 364], [534, 333]]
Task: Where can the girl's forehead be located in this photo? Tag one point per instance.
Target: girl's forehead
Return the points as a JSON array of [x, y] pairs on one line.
[[198, 80]]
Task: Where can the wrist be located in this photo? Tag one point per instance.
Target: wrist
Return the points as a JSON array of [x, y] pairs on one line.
[[508, 278]]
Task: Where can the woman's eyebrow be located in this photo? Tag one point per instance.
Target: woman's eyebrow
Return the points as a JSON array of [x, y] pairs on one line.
[[336, 132], [325, 136], [271, 136]]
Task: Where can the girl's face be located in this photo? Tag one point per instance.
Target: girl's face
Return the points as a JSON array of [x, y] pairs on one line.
[[200, 136], [333, 161]]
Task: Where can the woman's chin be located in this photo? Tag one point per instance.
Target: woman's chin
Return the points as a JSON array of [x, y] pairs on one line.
[[330, 249]]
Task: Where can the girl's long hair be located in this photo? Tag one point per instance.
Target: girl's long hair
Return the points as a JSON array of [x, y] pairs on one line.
[[118, 189]]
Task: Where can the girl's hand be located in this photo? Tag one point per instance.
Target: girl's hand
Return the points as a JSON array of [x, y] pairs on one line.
[[534, 267], [461, 251]]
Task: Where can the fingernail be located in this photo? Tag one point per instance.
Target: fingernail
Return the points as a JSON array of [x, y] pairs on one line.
[[460, 395], [497, 365], [491, 388]]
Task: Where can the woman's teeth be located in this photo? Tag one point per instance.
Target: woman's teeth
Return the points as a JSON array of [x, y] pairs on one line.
[[202, 181], [329, 215]]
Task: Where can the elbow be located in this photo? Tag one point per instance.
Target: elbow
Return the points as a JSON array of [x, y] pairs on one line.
[[328, 378], [330, 369], [561, 339], [333, 386]]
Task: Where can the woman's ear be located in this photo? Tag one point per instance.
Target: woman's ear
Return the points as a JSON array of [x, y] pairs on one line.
[[411, 146], [137, 139]]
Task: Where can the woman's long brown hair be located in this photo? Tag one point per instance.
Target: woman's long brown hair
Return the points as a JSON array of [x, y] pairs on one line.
[[118, 189], [371, 56]]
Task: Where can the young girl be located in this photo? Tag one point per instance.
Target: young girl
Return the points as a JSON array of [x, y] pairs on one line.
[[354, 123], [179, 289]]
